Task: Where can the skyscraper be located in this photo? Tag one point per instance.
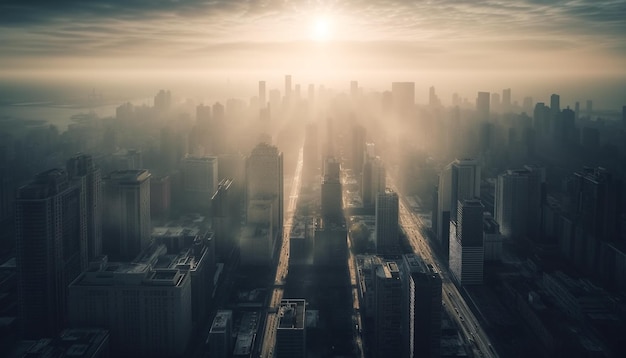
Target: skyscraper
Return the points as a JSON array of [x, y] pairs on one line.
[[555, 104], [387, 241], [332, 205], [358, 149], [126, 221], [373, 180], [518, 202], [220, 340], [465, 181], [200, 179], [421, 325], [388, 311], [291, 329], [482, 106], [262, 94], [264, 180], [466, 247], [82, 168], [51, 250]]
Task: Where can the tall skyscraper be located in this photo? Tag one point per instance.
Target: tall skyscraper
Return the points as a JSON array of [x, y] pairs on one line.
[[482, 106], [264, 181], [388, 311], [421, 316], [126, 221], [262, 94], [555, 104], [51, 250], [220, 335], [519, 201], [387, 206], [82, 169], [373, 181], [358, 149], [466, 247], [332, 204], [291, 329], [465, 181], [200, 179], [506, 100]]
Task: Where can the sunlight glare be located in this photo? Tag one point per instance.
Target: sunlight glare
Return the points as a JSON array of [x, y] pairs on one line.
[[321, 30]]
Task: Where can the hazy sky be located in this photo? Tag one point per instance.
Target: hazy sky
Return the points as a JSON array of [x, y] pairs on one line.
[[546, 37]]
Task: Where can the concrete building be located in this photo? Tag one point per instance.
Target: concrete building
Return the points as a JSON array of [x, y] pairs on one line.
[[421, 315], [126, 221], [75, 343], [200, 180], [220, 341], [388, 311], [482, 106], [264, 181], [373, 180], [466, 246], [492, 239], [147, 310], [331, 200], [81, 168], [51, 250], [387, 230], [291, 329]]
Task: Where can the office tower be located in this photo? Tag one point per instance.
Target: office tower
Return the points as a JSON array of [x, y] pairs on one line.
[[387, 206], [466, 247], [225, 214], [518, 202], [541, 119], [482, 106], [291, 329], [262, 99], [577, 110], [220, 336], [358, 149], [200, 180], [506, 101], [373, 181], [494, 102], [82, 168], [51, 250], [264, 181], [555, 104], [388, 311], [589, 107], [163, 101], [421, 316], [160, 197], [332, 168], [403, 98], [203, 114], [527, 104], [492, 237], [125, 159], [147, 310], [331, 200], [433, 100], [287, 88], [126, 217], [459, 180]]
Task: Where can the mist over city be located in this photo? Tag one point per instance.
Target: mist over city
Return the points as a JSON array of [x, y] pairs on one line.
[[312, 178]]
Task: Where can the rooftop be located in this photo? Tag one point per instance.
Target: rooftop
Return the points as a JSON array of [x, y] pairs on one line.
[[292, 313]]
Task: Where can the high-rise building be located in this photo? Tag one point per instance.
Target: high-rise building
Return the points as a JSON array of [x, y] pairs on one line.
[[482, 106], [220, 336], [358, 149], [466, 247], [51, 250], [264, 180], [200, 180], [388, 311], [148, 311], [332, 204], [555, 104], [163, 100], [494, 102], [373, 180], [518, 202], [262, 94], [506, 100], [82, 168], [465, 181], [387, 233], [291, 329], [421, 316], [126, 218]]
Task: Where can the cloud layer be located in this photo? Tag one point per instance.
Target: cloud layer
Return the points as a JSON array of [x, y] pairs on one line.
[[503, 35]]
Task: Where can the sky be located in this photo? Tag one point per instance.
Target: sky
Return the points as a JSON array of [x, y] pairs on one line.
[[454, 38]]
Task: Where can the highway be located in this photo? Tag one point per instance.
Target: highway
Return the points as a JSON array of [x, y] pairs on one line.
[[473, 333], [356, 312], [269, 338]]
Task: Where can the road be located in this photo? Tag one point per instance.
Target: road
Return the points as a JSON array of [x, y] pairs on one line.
[[356, 312], [269, 336], [455, 304]]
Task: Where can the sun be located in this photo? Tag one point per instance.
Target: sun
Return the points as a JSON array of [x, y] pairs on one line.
[[321, 29]]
